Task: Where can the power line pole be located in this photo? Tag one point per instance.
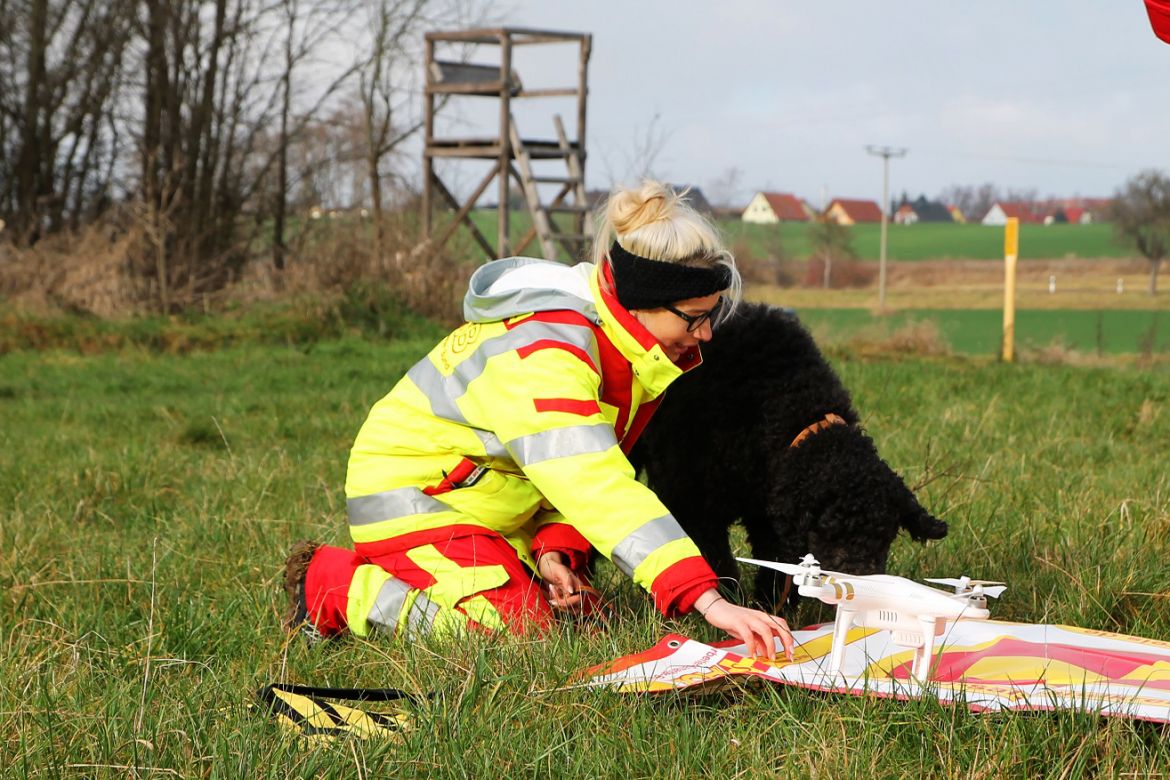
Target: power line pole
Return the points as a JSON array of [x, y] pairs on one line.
[[885, 152]]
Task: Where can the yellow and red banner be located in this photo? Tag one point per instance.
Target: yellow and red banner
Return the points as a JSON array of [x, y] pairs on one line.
[[984, 665]]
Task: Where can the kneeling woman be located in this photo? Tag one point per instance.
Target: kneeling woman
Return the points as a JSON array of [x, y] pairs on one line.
[[498, 463]]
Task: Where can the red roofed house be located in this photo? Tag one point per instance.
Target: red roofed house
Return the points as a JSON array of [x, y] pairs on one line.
[[770, 207], [905, 215], [1000, 211], [1096, 210], [1075, 211], [845, 211]]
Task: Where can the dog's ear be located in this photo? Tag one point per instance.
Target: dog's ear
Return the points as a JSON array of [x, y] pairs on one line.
[[922, 526]]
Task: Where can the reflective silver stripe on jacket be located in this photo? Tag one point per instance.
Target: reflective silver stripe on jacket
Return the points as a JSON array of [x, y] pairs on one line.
[[421, 618], [492, 444], [390, 505], [629, 553], [387, 609], [561, 443], [442, 391]]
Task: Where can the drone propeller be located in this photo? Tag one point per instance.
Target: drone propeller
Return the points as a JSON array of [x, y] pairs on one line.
[[808, 566], [787, 568], [966, 585]]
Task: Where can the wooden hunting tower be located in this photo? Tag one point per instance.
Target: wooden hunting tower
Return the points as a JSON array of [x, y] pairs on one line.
[[562, 222]]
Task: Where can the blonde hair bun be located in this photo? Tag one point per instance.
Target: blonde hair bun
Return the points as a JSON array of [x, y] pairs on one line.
[[630, 209], [654, 221]]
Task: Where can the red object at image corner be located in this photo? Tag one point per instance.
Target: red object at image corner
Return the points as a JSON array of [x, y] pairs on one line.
[[1159, 11]]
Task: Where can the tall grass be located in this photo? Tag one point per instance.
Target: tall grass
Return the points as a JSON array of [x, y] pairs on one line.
[[148, 500]]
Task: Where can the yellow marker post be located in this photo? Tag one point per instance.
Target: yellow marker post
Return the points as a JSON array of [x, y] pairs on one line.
[[1011, 253]]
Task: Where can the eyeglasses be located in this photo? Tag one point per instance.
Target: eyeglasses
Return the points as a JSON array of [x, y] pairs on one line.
[[695, 321]]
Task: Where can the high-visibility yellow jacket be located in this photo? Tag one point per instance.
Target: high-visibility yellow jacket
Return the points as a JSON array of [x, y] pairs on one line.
[[518, 423]]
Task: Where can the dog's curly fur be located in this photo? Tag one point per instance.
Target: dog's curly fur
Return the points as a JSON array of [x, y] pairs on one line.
[[718, 450]]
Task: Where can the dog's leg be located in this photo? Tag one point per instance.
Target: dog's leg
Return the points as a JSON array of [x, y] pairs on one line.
[[771, 589]]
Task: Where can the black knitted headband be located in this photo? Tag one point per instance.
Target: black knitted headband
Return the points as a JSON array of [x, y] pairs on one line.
[[643, 283]]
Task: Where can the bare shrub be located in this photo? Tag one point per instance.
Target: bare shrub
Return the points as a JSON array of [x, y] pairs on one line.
[[846, 273], [97, 271], [770, 266], [88, 272], [1059, 353], [919, 338], [338, 256]]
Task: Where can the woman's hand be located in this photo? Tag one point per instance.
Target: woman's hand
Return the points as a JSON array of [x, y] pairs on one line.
[[564, 587], [754, 628]]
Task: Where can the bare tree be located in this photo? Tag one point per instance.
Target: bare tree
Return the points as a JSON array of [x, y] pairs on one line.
[[308, 26], [1141, 217], [724, 190], [642, 156], [973, 201], [390, 85], [385, 92], [61, 72], [1029, 196], [829, 241]]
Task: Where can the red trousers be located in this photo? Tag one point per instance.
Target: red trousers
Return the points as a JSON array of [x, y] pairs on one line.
[[333, 596]]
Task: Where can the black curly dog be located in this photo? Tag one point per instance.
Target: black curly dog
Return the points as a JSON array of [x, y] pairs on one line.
[[720, 450]]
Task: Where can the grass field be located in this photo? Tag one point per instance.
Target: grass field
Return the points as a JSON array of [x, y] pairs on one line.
[[905, 242], [980, 332], [148, 500], [932, 241]]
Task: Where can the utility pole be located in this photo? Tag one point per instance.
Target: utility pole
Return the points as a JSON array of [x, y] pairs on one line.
[[885, 152]]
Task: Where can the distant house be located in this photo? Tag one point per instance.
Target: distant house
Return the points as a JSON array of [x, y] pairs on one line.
[[694, 197], [846, 211], [1095, 210], [1001, 211], [772, 207], [957, 215], [1073, 211], [922, 210]]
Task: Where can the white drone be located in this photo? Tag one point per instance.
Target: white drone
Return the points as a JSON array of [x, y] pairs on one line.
[[915, 614]]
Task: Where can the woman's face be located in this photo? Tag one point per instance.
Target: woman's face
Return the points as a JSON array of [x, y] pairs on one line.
[[671, 330]]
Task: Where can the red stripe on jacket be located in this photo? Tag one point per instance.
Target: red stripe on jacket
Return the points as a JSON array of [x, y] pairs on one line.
[[570, 405], [572, 349]]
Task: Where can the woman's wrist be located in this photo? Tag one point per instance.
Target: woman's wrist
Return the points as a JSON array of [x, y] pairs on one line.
[[706, 600], [555, 556]]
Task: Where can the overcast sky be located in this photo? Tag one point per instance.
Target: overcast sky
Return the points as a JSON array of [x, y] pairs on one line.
[[1064, 96]]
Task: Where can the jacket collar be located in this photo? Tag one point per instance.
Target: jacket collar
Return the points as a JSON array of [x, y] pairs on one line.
[[649, 361]]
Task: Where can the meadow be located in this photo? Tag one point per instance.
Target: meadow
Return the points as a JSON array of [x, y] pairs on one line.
[[939, 241], [148, 499], [980, 331], [927, 241]]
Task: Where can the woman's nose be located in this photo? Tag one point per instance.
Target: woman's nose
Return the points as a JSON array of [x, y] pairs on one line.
[[704, 331]]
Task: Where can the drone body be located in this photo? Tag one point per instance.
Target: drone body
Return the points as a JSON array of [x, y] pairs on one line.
[[915, 614]]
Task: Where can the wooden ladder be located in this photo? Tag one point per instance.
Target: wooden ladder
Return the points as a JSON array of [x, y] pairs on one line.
[[544, 227]]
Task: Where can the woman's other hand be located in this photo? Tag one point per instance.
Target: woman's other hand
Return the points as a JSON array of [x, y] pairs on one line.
[[754, 628], [564, 587]]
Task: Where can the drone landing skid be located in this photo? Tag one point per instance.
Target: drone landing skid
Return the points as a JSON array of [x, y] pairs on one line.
[[923, 643]]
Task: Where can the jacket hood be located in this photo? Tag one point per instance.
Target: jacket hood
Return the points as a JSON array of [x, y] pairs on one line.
[[520, 285]]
